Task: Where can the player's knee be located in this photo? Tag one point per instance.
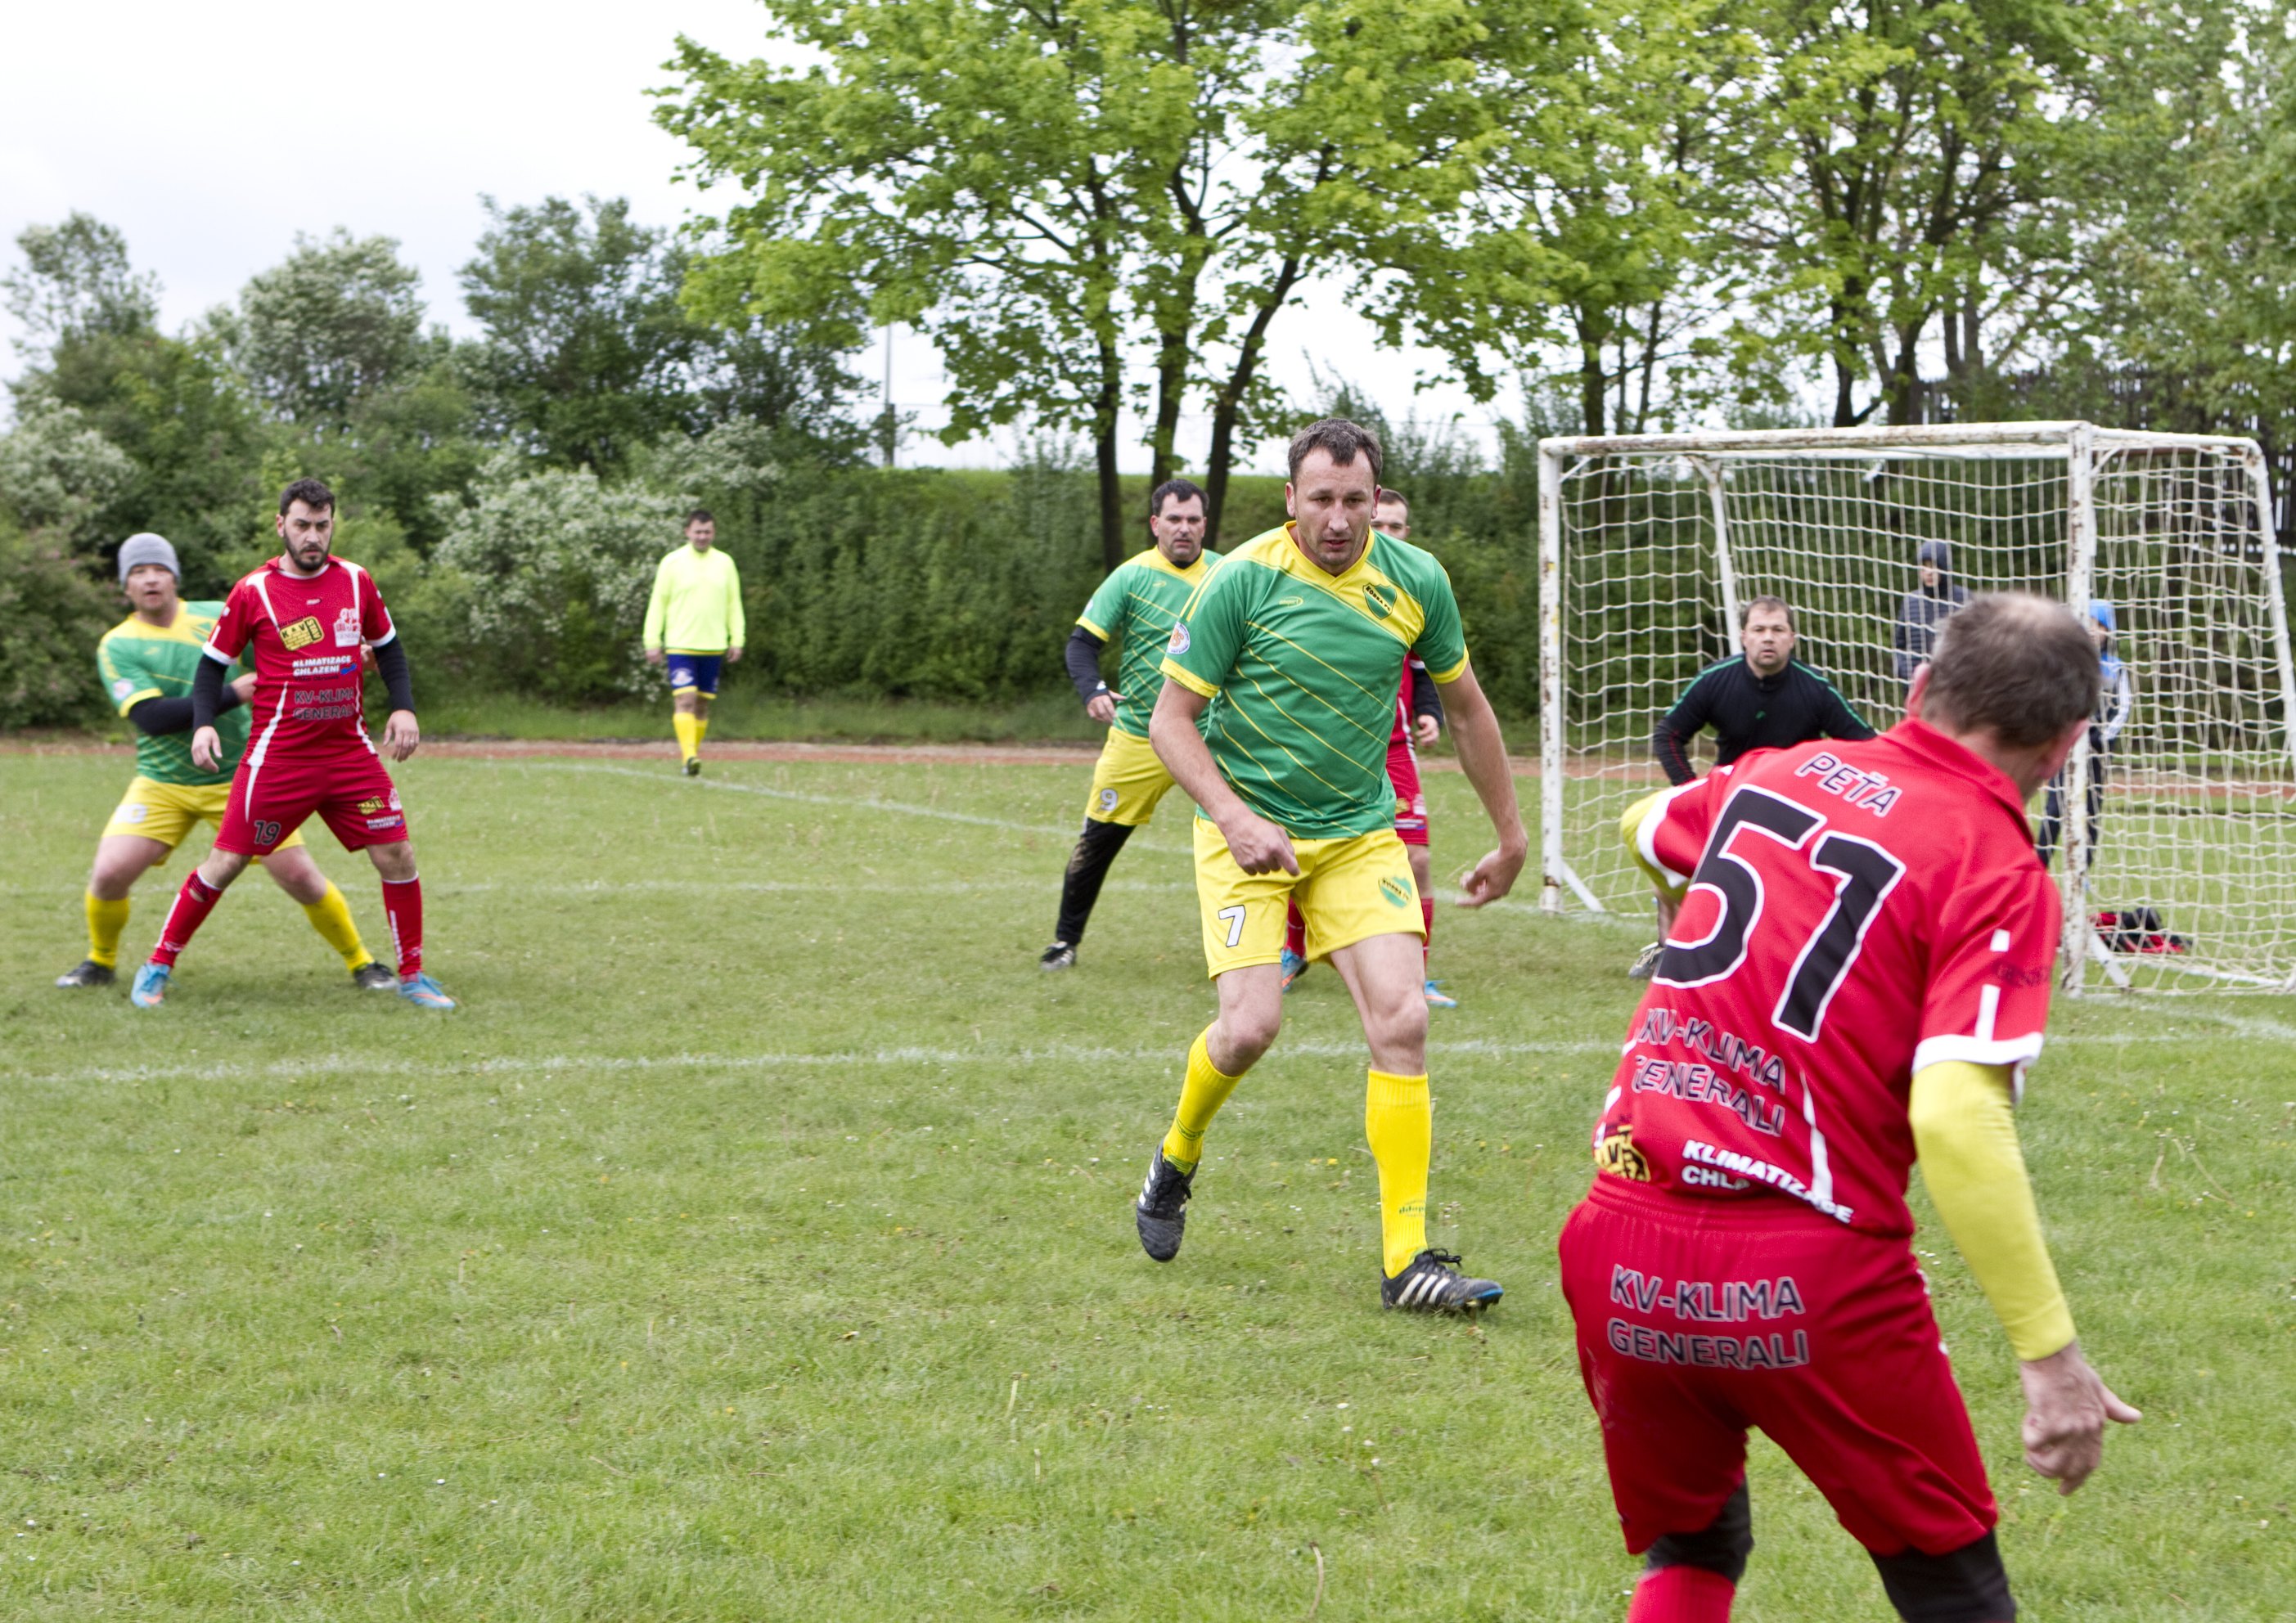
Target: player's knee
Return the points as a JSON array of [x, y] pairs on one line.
[[1246, 1029], [1966, 1586], [394, 862], [220, 867], [1721, 1545]]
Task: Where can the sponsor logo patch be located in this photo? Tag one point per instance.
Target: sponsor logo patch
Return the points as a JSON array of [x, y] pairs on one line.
[[1396, 892], [372, 804], [1618, 1156], [346, 630], [378, 822], [303, 633]]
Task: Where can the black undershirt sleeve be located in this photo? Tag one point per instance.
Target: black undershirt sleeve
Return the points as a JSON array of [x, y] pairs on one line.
[[158, 717], [397, 680], [206, 692], [1427, 695], [1082, 656], [1670, 739]]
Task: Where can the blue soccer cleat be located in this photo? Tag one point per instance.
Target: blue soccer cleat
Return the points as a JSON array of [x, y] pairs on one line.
[[425, 993], [151, 988], [1437, 998], [1293, 966]]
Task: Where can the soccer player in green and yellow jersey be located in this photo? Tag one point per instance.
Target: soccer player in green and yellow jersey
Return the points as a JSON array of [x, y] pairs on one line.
[[147, 662], [694, 623], [1137, 605], [1290, 659]]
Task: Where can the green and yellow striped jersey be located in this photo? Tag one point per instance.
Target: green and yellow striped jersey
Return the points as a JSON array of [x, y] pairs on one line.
[[142, 661], [1302, 669], [1137, 605]]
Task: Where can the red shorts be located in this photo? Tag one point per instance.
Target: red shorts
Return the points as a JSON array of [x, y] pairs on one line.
[[1699, 1320], [351, 792], [1410, 802]]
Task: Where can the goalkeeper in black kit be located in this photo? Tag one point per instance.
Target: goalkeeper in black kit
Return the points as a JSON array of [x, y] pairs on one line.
[[1761, 698]]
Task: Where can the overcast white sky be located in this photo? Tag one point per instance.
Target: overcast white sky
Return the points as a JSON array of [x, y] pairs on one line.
[[210, 136]]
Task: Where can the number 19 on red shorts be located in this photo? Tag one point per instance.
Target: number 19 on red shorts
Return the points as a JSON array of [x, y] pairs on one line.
[[352, 793]]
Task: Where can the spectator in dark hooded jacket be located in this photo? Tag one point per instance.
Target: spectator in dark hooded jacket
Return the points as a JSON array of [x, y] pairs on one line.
[[1923, 610]]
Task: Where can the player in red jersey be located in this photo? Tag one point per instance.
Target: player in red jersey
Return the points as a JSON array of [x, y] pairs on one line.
[[1418, 724], [1857, 973], [310, 617]]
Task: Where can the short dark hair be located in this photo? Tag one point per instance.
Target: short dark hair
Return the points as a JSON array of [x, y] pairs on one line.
[[1746, 614], [310, 492], [2014, 665], [1397, 497], [1340, 440], [699, 515], [1175, 490]]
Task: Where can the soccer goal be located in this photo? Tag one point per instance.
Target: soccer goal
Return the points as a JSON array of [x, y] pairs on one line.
[[1649, 545]]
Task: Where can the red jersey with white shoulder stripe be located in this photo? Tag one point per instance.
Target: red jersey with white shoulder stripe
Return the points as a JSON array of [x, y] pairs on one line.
[[1856, 911], [306, 631]]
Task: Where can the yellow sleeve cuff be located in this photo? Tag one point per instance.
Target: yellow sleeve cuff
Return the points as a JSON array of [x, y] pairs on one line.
[[1453, 674], [138, 697], [1086, 621], [1636, 826], [1190, 681], [1966, 1137]]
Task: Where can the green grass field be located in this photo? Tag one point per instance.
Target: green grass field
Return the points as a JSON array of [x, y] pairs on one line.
[[755, 1244]]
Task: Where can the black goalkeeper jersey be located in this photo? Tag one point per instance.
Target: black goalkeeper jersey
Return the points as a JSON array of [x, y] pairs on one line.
[[1751, 712]]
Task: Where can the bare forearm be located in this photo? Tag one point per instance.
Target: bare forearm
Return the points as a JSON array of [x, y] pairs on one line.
[[1483, 757], [1172, 731]]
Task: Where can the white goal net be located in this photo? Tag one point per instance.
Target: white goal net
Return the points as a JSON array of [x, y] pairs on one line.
[[2182, 875]]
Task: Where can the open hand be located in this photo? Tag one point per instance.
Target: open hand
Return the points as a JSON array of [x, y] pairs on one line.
[[2066, 1406], [400, 735]]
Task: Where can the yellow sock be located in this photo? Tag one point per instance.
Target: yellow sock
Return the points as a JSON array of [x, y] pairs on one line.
[[330, 916], [700, 725], [1206, 1089], [105, 920], [1400, 1120], [689, 734]]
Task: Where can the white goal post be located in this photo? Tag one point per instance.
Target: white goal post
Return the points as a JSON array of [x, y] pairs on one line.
[[2183, 876]]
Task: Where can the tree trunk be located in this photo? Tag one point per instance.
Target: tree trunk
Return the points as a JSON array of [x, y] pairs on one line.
[[1227, 405], [1106, 403]]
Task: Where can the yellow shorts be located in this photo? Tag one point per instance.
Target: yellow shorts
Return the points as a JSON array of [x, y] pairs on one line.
[[1348, 891], [165, 812], [1126, 782]]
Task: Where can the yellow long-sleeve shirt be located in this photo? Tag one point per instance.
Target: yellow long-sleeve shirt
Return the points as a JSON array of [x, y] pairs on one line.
[[696, 606]]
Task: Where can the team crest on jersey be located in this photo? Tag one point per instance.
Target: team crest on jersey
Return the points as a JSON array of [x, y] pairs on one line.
[[1179, 643], [1380, 600], [302, 633], [371, 804], [346, 630], [1398, 893], [1618, 1156]]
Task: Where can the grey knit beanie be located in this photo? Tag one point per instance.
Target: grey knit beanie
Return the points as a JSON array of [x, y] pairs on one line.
[[147, 548]]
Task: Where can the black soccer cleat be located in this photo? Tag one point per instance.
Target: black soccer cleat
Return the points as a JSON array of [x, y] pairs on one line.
[[693, 766], [1431, 1282], [1161, 1211], [90, 973], [1059, 955], [1645, 963], [372, 976]]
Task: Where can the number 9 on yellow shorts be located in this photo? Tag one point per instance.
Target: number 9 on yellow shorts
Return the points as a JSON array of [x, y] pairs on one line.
[[1349, 889], [1126, 782], [167, 812]]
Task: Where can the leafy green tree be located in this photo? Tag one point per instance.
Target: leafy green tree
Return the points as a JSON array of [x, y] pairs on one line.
[[340, 321], [1070, 198], [76, 281], [60, 477]]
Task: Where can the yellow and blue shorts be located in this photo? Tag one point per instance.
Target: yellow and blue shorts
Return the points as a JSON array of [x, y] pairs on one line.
[[1349, 889], [165, 812], [1126, 782], [698, 671]]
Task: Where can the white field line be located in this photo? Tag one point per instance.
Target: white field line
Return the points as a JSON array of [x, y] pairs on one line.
[[1052, 1053], [845, 802]]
